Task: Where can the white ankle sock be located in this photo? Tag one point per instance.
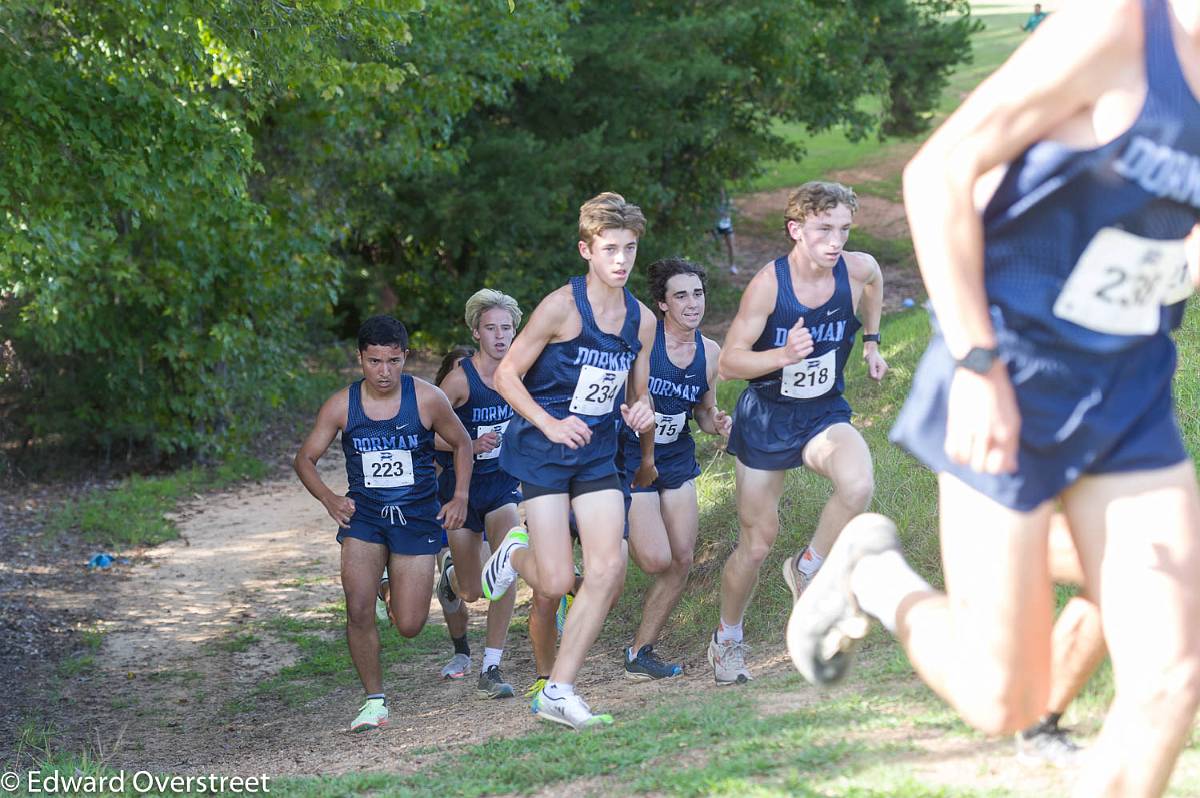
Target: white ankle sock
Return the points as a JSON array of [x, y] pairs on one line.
[[727, 632], [491, 656], [881, 581], [554, 690], [808, 562]]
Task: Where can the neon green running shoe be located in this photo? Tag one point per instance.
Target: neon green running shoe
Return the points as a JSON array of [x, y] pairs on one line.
[[371, 715], [560, 615], [499, 573], [537, 687]]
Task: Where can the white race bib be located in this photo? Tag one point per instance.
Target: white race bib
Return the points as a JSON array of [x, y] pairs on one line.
[[809, 378], [668, 428], [391, 468], [596, 390], [1121, 281], [482, 430]]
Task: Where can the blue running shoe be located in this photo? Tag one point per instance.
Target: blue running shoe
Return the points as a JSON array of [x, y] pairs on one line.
[[647, 666]]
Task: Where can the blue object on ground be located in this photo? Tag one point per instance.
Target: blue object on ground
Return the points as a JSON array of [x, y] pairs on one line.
[[908, 302], [100, 561]]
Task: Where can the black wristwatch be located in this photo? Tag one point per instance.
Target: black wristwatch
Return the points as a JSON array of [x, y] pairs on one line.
[[979, 359], [871, 337]]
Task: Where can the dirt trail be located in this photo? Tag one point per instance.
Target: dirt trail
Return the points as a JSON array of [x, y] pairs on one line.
[[266, 552], [188, 636]]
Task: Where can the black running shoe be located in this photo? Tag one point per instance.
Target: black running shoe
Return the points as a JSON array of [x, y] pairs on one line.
[[492, 684], [1047, 744]]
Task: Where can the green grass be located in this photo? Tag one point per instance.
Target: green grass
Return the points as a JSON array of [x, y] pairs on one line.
[[238, 643], [323, 660], [755, 741], [831, 151], [134, 513]]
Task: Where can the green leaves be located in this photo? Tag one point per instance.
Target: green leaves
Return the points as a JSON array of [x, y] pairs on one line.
[[189, 189]]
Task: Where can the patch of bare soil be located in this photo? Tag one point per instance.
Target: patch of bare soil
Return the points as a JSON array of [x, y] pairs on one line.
[[760, 236], [163, 693]]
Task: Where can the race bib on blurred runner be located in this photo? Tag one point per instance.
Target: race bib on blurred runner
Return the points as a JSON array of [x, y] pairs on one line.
[[1121, 282]]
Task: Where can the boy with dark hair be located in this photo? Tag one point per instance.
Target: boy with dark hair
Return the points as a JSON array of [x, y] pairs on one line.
[[391, 516]]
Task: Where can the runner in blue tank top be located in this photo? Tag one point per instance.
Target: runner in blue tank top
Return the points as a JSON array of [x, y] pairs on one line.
[[1049, 381], [493, 318], [565, 376], [664, 516], [791, 339], [391, 515]]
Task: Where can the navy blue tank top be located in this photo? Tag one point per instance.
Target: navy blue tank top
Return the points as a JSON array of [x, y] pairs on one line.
[[389, 462], [675, 390], [586, 376], [1082, 248], [832, 325], [484, 411]]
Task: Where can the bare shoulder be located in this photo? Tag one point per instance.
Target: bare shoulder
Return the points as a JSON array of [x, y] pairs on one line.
[[552, 313], [336, 409], [861, 266], [647, 321], [455, 383], [711, 348], [427, 392], [762, 288], [558, 304]]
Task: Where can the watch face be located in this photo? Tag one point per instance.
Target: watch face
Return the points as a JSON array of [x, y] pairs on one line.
[[979, 360]]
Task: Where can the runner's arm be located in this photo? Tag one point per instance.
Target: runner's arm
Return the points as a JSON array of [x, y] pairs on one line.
[[639, 411], [709, 417], [1192, 248], [543, 323], [330, 419], [1017, 105], [738, 361], [458, 391], [865, 269], [1083, 51], [445, 423]]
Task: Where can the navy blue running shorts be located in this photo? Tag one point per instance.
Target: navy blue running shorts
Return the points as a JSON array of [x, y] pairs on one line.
[[770, 435], [533, 459], [676, 464], [489, 492], [408, 529], [1081, 413]]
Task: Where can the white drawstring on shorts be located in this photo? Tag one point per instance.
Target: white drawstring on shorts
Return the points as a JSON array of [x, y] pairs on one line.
[[391, 511]]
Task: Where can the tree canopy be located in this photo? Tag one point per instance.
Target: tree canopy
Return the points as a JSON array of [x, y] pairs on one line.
[[192, 189]]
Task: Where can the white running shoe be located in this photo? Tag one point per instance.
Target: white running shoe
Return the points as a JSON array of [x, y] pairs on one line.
[[728, 661], [450, 602], [457, 667], [498, 572], [569, 710], [381, 608], [371, 715], [826, 624]]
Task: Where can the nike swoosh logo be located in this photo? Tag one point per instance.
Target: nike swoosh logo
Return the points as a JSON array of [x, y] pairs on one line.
[[688, 376], [401, 426], [831, 312]]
